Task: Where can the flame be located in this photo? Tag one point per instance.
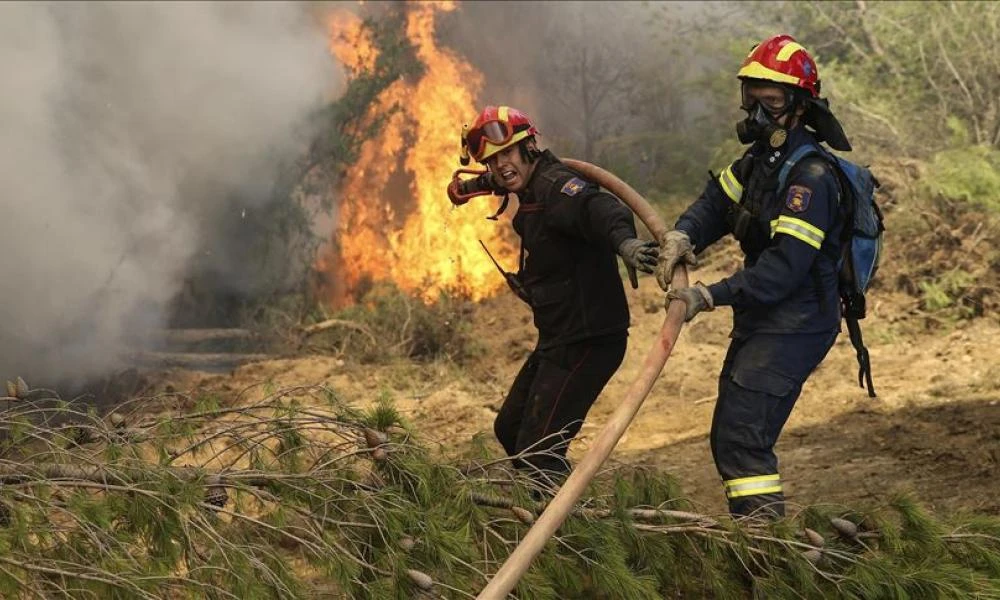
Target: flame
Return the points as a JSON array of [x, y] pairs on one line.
[[350, 42], [395, 221]]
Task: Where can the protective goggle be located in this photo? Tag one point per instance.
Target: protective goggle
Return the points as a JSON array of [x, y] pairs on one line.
[[497, 133], [772, 104]]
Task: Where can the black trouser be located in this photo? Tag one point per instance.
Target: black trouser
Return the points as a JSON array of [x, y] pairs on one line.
[[761, 379], [549, 400]]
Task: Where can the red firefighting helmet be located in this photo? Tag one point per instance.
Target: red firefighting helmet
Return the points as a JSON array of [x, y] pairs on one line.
[[497, 128], [780, 59]]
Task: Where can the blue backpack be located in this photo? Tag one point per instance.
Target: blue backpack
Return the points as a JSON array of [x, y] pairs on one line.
[[861, 243]]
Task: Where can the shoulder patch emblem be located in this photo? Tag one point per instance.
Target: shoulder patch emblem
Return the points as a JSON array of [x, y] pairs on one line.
[[798, 198], [573, 186]]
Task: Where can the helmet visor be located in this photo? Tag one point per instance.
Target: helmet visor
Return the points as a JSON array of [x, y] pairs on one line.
[[497, 133]]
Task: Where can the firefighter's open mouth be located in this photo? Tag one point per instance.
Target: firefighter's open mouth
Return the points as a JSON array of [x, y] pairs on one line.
[[508, 175]]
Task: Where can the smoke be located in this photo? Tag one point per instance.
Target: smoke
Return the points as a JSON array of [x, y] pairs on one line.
[[598, 70], [127, 130]]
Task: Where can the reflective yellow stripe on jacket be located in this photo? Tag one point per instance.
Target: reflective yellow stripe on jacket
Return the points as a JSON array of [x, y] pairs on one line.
[[730, 185], [752, 486], [798, 229]]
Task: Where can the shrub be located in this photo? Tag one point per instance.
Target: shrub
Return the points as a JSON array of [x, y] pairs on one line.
[[969, 174], [389, 324]]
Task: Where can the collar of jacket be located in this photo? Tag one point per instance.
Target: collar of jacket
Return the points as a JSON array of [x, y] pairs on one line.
[[535, 182], [771, 159]]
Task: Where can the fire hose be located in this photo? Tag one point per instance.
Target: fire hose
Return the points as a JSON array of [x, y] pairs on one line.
[[562, 503]]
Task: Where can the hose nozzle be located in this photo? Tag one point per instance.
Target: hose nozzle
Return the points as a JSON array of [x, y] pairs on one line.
[[461, 190]]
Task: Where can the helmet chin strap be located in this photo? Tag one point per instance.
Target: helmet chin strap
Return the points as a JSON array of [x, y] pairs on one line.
[[503, 207], [529, 153]]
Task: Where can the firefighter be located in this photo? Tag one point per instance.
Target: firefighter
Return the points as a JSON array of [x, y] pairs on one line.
[[786, 306], [570, 234]]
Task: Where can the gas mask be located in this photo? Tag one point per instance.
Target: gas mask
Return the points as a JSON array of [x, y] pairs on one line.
[[760, 125]]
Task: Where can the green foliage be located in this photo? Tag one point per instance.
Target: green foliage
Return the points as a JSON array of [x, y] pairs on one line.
[[967, 173], [915, 86], [355, 514], [946, 292], [383, 414], [915, 77]]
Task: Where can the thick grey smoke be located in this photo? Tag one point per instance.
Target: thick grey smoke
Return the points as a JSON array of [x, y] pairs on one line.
[[126, 128]]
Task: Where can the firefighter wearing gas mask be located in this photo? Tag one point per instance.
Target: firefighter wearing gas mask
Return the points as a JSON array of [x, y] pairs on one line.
[[571, 233], [786, 308]]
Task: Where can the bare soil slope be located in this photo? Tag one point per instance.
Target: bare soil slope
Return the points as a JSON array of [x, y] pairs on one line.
[[935, 428]]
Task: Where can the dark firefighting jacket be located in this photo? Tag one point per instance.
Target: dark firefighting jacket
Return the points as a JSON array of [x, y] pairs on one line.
[[790, 237], [570, 230]]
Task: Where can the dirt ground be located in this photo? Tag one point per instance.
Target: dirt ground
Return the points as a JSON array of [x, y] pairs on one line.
[[933, 430]]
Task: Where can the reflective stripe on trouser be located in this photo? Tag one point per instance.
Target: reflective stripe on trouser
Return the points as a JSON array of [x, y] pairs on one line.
[[752, 486]]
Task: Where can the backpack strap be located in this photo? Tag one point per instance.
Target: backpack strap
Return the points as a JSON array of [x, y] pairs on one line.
[[805, 151], [864, 363], [793, 159]]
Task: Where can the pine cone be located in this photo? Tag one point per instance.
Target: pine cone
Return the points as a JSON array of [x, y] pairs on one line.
[[421, 579], [814, 538], [375, 438], [523, 515], [81, 435], [21, 388], [217, 496], [407, 543], [845, 528]]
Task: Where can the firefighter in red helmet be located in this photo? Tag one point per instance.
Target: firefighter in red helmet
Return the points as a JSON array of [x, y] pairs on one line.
[[571, 234], [789, 222]]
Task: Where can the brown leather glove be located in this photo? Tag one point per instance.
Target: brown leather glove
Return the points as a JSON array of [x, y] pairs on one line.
[[676, 248], [696, 299]]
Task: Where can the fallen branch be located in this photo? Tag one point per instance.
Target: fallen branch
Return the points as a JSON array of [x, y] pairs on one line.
[[103, 474], [639, 514], [330, 323], [194, 360], [197, 336]]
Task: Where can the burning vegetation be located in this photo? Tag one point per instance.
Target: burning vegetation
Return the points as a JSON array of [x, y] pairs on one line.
[[394, 222]]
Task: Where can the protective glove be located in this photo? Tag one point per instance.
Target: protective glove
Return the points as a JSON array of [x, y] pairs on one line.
[[676, 247], [640, 255], [696, 299]]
